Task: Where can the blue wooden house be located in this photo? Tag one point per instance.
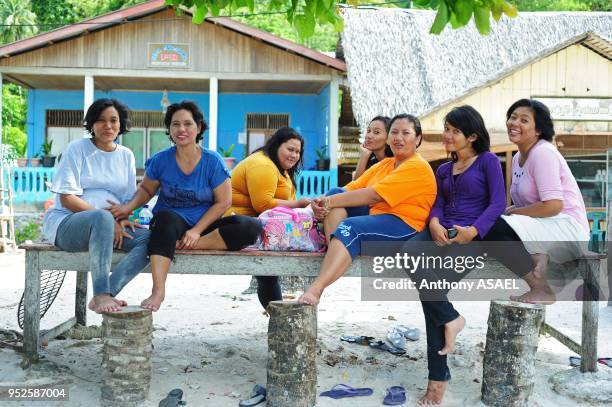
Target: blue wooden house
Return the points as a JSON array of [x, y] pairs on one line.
[[247, 82]]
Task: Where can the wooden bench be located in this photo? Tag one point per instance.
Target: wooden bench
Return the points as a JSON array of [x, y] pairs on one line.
[[47, 257]]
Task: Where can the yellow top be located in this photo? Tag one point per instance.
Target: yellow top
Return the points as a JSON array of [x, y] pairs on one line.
[[257, 184], [408, 191]]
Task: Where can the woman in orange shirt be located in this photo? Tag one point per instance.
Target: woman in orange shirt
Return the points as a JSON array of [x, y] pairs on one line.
[[389, 202]]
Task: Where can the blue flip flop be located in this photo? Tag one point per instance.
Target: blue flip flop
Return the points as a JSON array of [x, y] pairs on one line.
[[341, 391], [396, 395], [258, 395]]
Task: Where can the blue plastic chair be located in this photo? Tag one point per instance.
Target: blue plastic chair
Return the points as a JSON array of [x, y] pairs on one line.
[[597, 242]]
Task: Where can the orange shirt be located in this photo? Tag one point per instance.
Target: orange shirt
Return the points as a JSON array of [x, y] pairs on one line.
[[408, 191]]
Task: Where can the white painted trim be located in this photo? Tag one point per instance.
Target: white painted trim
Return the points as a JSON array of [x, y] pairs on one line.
[[162, 74], [213, 110], [333, 123], [88, 93]]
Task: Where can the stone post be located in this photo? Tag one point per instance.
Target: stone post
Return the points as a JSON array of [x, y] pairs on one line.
[[508, 371], [292, 345], [126, 358]]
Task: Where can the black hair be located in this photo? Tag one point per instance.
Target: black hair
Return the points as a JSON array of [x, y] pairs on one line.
[[412, 119], [541, 114], [385, 119], [270, 149], [470, 122], [98, 106], [196, 113]]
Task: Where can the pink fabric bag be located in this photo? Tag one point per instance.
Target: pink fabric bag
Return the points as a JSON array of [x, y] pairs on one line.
[[288, 229]]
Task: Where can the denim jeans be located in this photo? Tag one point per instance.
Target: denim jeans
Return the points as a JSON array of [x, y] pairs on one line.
[[93, 231]]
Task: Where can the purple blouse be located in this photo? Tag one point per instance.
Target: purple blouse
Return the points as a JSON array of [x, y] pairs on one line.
[[475, 197]]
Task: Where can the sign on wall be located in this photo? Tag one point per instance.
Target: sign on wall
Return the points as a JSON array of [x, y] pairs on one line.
[[169, 55], [579, 109]]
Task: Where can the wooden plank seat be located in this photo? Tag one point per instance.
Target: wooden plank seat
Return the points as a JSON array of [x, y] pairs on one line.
[[41, 256]]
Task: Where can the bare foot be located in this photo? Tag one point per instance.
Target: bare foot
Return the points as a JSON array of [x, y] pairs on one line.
[[540, 261], [154, 301], [536, 296], [310, 297], [434, 394], [104, 303], [451, 330], [122, 303]]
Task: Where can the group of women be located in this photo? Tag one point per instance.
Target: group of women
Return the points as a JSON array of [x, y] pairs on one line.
[[394, 196]]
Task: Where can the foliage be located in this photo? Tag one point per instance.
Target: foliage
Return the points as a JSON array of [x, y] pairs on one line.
[[15, 138], [46, 148], [563, 5], [31, 231], [8, 155], [228, 152], [321, 152], [18, 20]]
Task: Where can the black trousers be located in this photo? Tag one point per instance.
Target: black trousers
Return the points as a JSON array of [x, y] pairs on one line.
[[438, 310], [237, 231]]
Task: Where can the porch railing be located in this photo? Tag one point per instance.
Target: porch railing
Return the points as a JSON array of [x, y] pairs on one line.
[[311, 184], [29, 183]]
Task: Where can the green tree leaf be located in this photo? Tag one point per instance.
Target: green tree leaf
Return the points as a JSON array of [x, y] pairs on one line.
[[199, 15], [481, 18], [440, 20], [464, 9], [304, 24]]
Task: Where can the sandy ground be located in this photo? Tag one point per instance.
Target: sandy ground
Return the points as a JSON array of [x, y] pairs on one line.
[[211, 341]]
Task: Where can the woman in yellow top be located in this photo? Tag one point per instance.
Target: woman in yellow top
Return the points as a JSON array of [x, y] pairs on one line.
[[266, 179], [389, 202]]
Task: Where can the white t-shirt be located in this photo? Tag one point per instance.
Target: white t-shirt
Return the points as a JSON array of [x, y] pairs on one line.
[[94, 176]]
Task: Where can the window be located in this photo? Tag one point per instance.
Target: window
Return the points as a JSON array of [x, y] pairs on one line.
[[260, 126]]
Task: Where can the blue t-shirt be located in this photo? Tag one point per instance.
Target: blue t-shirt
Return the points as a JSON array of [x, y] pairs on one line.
[[191, 195]]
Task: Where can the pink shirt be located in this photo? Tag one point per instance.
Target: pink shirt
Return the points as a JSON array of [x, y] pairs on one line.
[[545, 176]]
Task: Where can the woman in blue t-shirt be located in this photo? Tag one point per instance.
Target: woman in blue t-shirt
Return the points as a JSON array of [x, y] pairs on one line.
[[194, 191]]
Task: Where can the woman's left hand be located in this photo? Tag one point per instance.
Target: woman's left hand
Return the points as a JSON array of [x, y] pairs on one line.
[[120, 233], [189, 240], [304, 202], [465, 234]]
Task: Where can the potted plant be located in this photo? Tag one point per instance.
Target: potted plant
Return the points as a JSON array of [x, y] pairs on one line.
[[35, 161], [227, 156], [48, 160], [322, 159], [22, 161]]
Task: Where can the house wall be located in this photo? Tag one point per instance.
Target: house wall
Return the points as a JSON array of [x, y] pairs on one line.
[[213, 49], [575, 71], [308, 113]]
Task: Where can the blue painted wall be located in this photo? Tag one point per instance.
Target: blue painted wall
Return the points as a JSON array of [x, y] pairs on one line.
[[309, 113]]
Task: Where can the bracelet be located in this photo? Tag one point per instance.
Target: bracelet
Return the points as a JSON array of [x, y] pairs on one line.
[[326, 204]]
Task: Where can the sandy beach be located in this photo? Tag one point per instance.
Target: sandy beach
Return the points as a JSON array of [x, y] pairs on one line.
[[211, 341]]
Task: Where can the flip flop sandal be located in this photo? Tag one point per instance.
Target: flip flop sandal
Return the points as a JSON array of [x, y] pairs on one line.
[[396, 338], [396, 395], [174, 399], [605, 361], [360, 340], [412, 334], [575, 361], [340, 391], [382, 345], [258, 395]]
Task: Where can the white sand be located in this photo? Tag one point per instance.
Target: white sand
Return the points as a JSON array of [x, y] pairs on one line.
[[211, 341]]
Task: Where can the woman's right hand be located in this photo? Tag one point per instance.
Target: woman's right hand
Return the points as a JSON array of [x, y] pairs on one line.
[[364, 151], [318, 209], [439, 234], [119, 211]]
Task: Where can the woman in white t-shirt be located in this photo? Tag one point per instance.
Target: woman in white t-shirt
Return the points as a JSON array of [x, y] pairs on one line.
[[93, 173]]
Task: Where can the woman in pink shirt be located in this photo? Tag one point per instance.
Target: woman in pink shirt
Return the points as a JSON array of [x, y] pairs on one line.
[[548, 213]]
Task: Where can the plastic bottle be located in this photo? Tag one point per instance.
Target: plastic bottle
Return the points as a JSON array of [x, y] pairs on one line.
[[145, 216]]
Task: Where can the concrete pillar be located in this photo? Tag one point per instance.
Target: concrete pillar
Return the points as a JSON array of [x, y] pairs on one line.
[[292, 349], [213, 113], [333, 123], [126, 358], [88, 93]]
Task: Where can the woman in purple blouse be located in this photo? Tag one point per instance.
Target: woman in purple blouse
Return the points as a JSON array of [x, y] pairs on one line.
[[471, 197]]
